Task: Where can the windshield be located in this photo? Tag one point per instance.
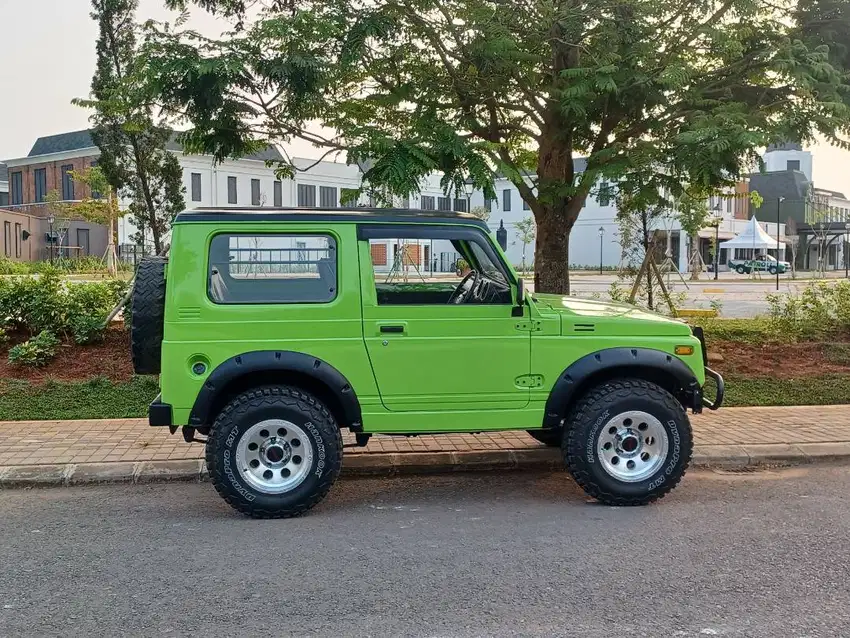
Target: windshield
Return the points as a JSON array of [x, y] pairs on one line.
[[487, 266]]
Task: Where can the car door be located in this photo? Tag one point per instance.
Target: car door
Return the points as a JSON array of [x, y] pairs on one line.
[[428, 354]]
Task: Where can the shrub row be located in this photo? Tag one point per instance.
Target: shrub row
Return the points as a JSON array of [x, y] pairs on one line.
[[48, 308], [87, 264]]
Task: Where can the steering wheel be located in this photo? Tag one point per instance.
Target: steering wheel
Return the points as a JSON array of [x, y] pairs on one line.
[[466, 285]]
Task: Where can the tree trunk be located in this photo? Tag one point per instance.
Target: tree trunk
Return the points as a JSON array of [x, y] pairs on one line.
[[551, 252], [696, 261]]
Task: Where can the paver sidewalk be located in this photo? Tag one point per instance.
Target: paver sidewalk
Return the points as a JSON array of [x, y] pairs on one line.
[[738, 436]]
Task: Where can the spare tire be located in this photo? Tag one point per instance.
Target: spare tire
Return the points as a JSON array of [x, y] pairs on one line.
[[148, 316]]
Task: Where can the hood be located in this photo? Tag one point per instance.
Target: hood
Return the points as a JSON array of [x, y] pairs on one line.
[[615, 318]]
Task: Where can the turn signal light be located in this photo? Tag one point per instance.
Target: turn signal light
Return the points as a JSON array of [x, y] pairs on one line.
[[684, 351]]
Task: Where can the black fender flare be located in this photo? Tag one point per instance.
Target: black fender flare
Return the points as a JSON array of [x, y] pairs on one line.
[[640, 362], [276, 362]]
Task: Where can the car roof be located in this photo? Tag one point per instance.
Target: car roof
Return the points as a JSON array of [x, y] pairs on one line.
[[343, 215]]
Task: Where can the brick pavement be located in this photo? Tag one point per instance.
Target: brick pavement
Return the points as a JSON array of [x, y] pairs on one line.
[[27, 443]]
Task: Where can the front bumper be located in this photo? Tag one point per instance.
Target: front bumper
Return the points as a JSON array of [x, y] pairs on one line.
[[718, 380], [159, 413]]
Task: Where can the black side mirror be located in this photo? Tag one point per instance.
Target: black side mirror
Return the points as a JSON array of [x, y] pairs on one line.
[[520, 299]]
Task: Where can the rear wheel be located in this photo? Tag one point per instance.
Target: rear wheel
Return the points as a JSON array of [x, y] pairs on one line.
[[274, 452], [629, 442], [740, 270]]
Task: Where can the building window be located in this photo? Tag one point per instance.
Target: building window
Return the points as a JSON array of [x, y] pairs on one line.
[[327, 197], [525, 205], [232, 197], [460, 205], [17, 240], [793, 165], [488, 204], [272, 269], [16, 188], [67, 182], [196, 187], [4, 199], [307, 195], [40, 180], [428, 202], [278, 193], [604, 196], [255, 192], [7, 239], [94, 194], [444, 203], [728, 204], [506, 199]]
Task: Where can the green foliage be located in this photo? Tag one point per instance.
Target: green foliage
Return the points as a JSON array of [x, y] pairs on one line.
[[87, 329], [46, 302], [4, 336], [827, 389], [36, 352], [665, 92], [88, 264], [133, 155], [96, 398], [821, 310]]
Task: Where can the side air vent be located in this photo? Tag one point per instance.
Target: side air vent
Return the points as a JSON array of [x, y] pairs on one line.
[[188, 313], [584, 327]]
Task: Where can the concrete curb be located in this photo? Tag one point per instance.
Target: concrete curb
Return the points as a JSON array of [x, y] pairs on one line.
[[728, 457]]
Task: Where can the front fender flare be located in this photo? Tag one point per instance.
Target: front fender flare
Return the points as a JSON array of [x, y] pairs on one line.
[[635, 361], [276, 361]]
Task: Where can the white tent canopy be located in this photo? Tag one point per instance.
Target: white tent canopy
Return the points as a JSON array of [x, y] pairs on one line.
[[753, 236]]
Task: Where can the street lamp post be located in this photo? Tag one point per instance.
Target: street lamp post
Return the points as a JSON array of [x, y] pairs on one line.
[[467, 186], [778, 207], [50, 220], [601, 234], [718, 217]]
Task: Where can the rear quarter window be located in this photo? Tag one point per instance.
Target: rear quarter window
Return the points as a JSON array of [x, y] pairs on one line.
[[272, 269]]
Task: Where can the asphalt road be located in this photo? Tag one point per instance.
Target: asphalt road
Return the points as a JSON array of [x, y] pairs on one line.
[[762, 554]]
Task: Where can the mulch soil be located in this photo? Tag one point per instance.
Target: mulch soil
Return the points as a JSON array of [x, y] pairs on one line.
[[110, 359]]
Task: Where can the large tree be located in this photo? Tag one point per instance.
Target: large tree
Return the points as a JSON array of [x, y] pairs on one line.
[[133, 154], [675, 91]]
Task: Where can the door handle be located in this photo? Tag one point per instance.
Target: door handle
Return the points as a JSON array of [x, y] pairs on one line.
[[395, 329]]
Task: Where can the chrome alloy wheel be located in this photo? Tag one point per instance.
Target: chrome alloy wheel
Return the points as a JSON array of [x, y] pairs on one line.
[[632, 446], [274, 456]]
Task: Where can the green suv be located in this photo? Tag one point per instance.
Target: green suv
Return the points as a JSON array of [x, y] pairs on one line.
[[274, 331]]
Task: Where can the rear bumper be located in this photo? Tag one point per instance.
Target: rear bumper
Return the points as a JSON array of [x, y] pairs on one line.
[[159, 413]]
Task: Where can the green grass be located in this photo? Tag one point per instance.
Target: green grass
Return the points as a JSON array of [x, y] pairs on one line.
[[828, 389], [93, 399], [102, 399]]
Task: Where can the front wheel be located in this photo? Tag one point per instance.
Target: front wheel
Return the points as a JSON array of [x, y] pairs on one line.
[[629, 442], [772, 270], [740, 270], [274, 452]]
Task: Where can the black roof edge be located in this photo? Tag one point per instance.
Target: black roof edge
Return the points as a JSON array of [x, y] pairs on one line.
[[347, 215]]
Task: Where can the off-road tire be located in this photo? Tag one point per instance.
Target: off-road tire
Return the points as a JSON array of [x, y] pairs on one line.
[[740, 270], [551, 437], [594, 411], [148, 315], [274, 402]]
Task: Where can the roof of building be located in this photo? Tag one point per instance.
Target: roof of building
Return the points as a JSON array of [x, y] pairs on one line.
[[792, 185], [350, 215], [785, 146], [4, 172], [78, 140], [835, 194]]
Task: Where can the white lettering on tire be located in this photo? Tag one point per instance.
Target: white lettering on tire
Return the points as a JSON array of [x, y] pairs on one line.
[[591, 437]]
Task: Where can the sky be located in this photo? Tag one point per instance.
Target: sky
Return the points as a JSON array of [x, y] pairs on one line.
[[48, 51]]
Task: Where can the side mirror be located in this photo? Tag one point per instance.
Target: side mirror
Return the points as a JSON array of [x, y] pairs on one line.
[[520, 299]]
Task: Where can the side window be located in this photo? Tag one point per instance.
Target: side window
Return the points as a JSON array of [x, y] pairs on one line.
[[428, 271], [272, 269]]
